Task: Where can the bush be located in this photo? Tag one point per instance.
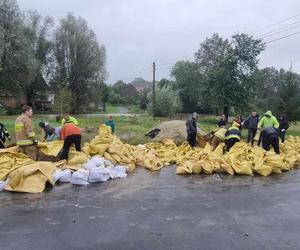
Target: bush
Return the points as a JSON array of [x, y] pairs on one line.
[[167, 103]]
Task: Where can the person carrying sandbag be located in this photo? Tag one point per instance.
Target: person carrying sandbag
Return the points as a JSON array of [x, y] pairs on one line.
[[25, 137], [233, 135], [268, 120], [70, 133], [270, 136]]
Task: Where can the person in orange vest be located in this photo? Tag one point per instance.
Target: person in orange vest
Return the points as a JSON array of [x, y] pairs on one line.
[[70, 133]]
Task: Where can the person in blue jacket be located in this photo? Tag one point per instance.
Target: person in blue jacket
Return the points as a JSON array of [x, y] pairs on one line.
[[111, 123]]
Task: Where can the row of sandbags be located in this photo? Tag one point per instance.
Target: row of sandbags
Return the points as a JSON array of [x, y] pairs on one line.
[[242, 158]]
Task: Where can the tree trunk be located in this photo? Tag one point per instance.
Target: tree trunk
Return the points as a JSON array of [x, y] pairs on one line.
[[225, 112]]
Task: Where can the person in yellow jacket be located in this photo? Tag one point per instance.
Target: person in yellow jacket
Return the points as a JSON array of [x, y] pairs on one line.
[[69, 119], [218, 137], [232, 135], [25, 137], [268, 120]]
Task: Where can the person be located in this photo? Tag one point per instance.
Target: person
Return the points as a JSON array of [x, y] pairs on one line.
[[218, 137], [70, 133], [251, 123], [232, 135], [283, 127], [69, 119], [110, 123], [3, 134], [268, 120], [191, 129], [222, 122], [25, 137], [49, 131], [270, 136], [239, 119]]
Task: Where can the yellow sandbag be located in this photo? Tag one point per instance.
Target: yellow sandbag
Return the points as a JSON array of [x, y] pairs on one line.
[[196, 169], [186, 168], [32, 178], [52, 147], [77, 158]]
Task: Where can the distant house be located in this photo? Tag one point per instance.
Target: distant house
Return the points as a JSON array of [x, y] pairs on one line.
[[129, 91], [10, 100]]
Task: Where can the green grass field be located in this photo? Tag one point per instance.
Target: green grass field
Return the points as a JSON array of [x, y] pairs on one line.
[[130, 129]]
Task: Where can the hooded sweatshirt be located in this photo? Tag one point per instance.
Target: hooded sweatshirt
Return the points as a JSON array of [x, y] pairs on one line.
[[268, 120]]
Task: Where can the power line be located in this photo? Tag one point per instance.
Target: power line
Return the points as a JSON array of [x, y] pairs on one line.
[[280, 38], [271, 25], [278, 32], [278, 29]]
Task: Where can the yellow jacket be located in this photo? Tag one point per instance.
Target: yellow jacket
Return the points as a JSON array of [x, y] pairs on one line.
[[24, 131]]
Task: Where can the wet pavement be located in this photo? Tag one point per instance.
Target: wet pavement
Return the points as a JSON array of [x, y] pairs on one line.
[[157, 210]]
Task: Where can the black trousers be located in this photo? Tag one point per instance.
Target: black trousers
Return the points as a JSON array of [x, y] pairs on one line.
[[191, 137], [272, 140], [251, 135], [76, 139], [1, 144], [282, 136], [230, 142]]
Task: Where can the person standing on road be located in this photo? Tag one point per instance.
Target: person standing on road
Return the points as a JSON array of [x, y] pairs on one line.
[[191, 129], [283, 127], [251, 123], [110, 122], [3, 134]]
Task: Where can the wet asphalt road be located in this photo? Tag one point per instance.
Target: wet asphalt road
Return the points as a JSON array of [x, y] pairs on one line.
[[157, 210]]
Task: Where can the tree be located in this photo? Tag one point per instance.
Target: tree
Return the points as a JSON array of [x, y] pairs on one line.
[[11, 45], [228, 67], [80, 60], [287, 99], [167, 103], [188, 84]]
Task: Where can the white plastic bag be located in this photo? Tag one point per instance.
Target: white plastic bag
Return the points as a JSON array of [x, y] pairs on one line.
[[2, 185], [62, 175], [100, 174], [94, 162], [117, 171], [80, 177]]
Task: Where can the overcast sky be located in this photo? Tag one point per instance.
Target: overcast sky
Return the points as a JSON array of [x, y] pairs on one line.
[[138, 32]]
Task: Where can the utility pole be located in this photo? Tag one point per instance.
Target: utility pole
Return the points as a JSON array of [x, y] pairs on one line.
[[153, 93]]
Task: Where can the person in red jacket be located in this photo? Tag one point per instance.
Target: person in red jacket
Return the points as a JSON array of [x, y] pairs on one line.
[[70, 133]]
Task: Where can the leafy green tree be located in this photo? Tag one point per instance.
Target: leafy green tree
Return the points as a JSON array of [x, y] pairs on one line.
[[227, 67], [287, 99], [167, 103], [188, 84], [80, 60]]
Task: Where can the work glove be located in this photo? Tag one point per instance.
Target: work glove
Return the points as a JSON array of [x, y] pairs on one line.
[[282, 130], [9, 138]]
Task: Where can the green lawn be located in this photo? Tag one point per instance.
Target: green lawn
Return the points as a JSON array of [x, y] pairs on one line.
[[130, 129]]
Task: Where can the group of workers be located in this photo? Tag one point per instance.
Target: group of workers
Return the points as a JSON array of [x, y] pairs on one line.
[[69, 132], [270, 131]]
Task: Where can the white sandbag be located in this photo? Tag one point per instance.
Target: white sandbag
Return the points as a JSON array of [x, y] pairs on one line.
[[98, 161], [94, 162], [117, 171], [3, 184], [80, 177], [62, 175], [100, 174], [108, 163]]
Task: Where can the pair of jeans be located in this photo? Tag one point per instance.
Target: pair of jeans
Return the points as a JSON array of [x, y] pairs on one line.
[[76, 139], [251, 135]]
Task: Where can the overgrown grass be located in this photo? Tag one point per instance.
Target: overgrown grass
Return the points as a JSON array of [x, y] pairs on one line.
[[130, 129]]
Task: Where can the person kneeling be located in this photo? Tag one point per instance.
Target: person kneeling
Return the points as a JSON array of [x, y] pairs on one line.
[[70, 133], [232, 135], [270, 136]]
